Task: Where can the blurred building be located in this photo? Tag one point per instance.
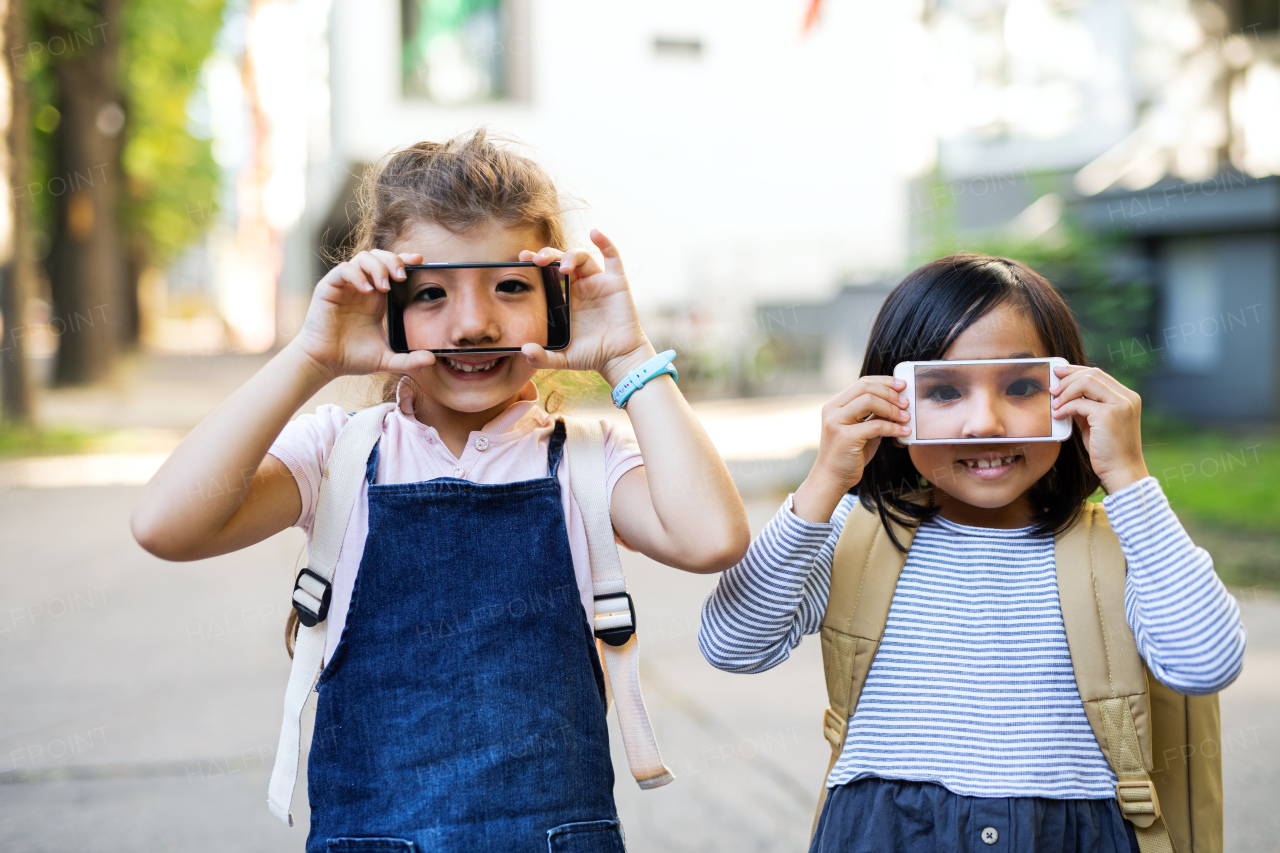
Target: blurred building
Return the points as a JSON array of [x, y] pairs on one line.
[[1157, 126], [733, 157]]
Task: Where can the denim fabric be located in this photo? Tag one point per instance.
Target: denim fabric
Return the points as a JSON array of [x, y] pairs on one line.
[[463, 708], [876, 815]]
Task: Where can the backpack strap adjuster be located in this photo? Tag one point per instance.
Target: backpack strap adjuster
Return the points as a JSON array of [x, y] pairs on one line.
[[311, 595], [1138, 801], [615, 618]]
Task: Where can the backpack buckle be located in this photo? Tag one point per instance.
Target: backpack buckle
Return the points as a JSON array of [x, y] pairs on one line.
[[1138, 802], [615, 620], [311, 594]]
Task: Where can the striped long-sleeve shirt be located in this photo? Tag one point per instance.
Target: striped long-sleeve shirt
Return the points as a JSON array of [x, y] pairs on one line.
[[972, 687]]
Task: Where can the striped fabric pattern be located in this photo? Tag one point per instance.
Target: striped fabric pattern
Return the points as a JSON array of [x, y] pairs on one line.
[[973, 687]]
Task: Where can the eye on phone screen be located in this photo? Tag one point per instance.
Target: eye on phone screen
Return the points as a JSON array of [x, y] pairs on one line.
[[478, 308], [973, 400]]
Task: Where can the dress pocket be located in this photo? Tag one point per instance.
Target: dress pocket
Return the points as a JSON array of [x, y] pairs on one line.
[[370, 845], [588, 836]]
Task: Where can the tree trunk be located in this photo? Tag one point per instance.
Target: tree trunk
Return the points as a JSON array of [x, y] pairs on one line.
[[92, 310], [18, 270]]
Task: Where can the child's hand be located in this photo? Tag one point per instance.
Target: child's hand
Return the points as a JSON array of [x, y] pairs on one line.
[[853, 422], [343, 331], [606, 328], [1109, 417]]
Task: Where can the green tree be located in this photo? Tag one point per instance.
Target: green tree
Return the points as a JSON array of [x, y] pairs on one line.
[[172, 177], [120, 181]]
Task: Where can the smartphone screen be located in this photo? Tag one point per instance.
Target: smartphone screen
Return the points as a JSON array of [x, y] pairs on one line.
[[960, 401], [478, 308]]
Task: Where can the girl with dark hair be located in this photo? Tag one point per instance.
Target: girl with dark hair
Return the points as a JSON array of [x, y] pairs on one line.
[[969, 731]]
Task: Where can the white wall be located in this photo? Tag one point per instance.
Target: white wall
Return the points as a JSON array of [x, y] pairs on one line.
[[768, 168]]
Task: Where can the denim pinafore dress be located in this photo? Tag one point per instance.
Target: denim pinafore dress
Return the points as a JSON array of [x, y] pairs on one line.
[[464, 706]]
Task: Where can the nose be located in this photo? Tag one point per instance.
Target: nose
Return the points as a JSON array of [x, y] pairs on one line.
[[474, 323], [983, 421]]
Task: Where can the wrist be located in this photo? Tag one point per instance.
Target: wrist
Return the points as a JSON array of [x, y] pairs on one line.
[[1114, 482], [315, 374], [617, 369], [816, 499]]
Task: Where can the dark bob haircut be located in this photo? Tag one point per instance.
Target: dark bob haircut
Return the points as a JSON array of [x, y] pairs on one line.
[[919, 321]]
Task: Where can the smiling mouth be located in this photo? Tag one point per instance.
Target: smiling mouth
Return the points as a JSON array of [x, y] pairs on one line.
[[472, 367], [990, 466]]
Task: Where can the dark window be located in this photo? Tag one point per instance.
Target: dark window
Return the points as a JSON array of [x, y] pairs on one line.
[[1259, 16], [665, 47], [462, 51]]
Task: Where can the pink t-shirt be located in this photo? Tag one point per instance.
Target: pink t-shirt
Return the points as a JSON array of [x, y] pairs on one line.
[[514, 448]]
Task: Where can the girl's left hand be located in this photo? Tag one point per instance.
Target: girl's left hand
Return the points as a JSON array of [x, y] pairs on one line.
[[1109, 417], [606, 328]]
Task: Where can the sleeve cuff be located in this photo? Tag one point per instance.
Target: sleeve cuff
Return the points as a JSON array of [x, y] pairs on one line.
[[300, 479], [625, 467], [799, 525], [1139, 506]]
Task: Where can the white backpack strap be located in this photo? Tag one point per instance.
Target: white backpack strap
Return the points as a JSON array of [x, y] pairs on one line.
[[311, 592], [615, 612]]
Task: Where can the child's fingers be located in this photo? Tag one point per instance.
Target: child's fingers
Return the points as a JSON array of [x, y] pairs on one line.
[[1095, 377], [406, 362], [540, 358], [393, 262], [1081, 407], [349, 275], [1090, 386], [877, 428], [870, 404], [542, 257], [579, 262], [376, 271], [612, 258], [884, 386]]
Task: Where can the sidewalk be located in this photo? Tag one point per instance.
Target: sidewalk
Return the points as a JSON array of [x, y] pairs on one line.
[[153, 401], [142, 701]]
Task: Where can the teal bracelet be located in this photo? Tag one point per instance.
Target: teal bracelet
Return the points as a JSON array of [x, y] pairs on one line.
[[636, 379]]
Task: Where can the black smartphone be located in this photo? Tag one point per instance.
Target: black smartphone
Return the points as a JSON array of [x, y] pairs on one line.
[[466, 308]]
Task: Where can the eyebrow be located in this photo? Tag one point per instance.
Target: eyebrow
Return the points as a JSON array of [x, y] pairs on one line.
[[961, 371], [938, 373]]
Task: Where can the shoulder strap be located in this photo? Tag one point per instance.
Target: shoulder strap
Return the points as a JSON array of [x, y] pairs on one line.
[[1109, 671], [615, 611], [864, 575], [338, 490]]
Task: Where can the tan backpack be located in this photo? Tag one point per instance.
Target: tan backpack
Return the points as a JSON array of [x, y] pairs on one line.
[[1174, 805]]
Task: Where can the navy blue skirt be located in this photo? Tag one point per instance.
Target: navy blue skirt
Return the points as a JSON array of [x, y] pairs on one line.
[[876, 815]]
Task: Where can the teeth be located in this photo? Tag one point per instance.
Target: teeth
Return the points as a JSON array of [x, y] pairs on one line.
[[466, 367], [988, 463]]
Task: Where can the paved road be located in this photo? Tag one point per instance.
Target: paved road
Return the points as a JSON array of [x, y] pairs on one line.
[[142, 699]]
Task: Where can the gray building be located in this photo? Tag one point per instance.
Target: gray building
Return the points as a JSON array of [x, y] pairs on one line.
[[1212, 248]]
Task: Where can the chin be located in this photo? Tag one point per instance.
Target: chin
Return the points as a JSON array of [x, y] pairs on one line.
[[474, 401], [984, 498]]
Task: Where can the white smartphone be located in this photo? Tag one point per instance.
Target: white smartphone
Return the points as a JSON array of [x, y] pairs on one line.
[[982, 401]]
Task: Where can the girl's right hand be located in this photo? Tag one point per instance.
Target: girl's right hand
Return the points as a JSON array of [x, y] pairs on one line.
[[853, 422], [343, 333]]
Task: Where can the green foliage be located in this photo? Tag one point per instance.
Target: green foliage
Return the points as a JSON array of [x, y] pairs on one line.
[[18, 441], [172, 179], [1217, 477], [1113, 310]]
